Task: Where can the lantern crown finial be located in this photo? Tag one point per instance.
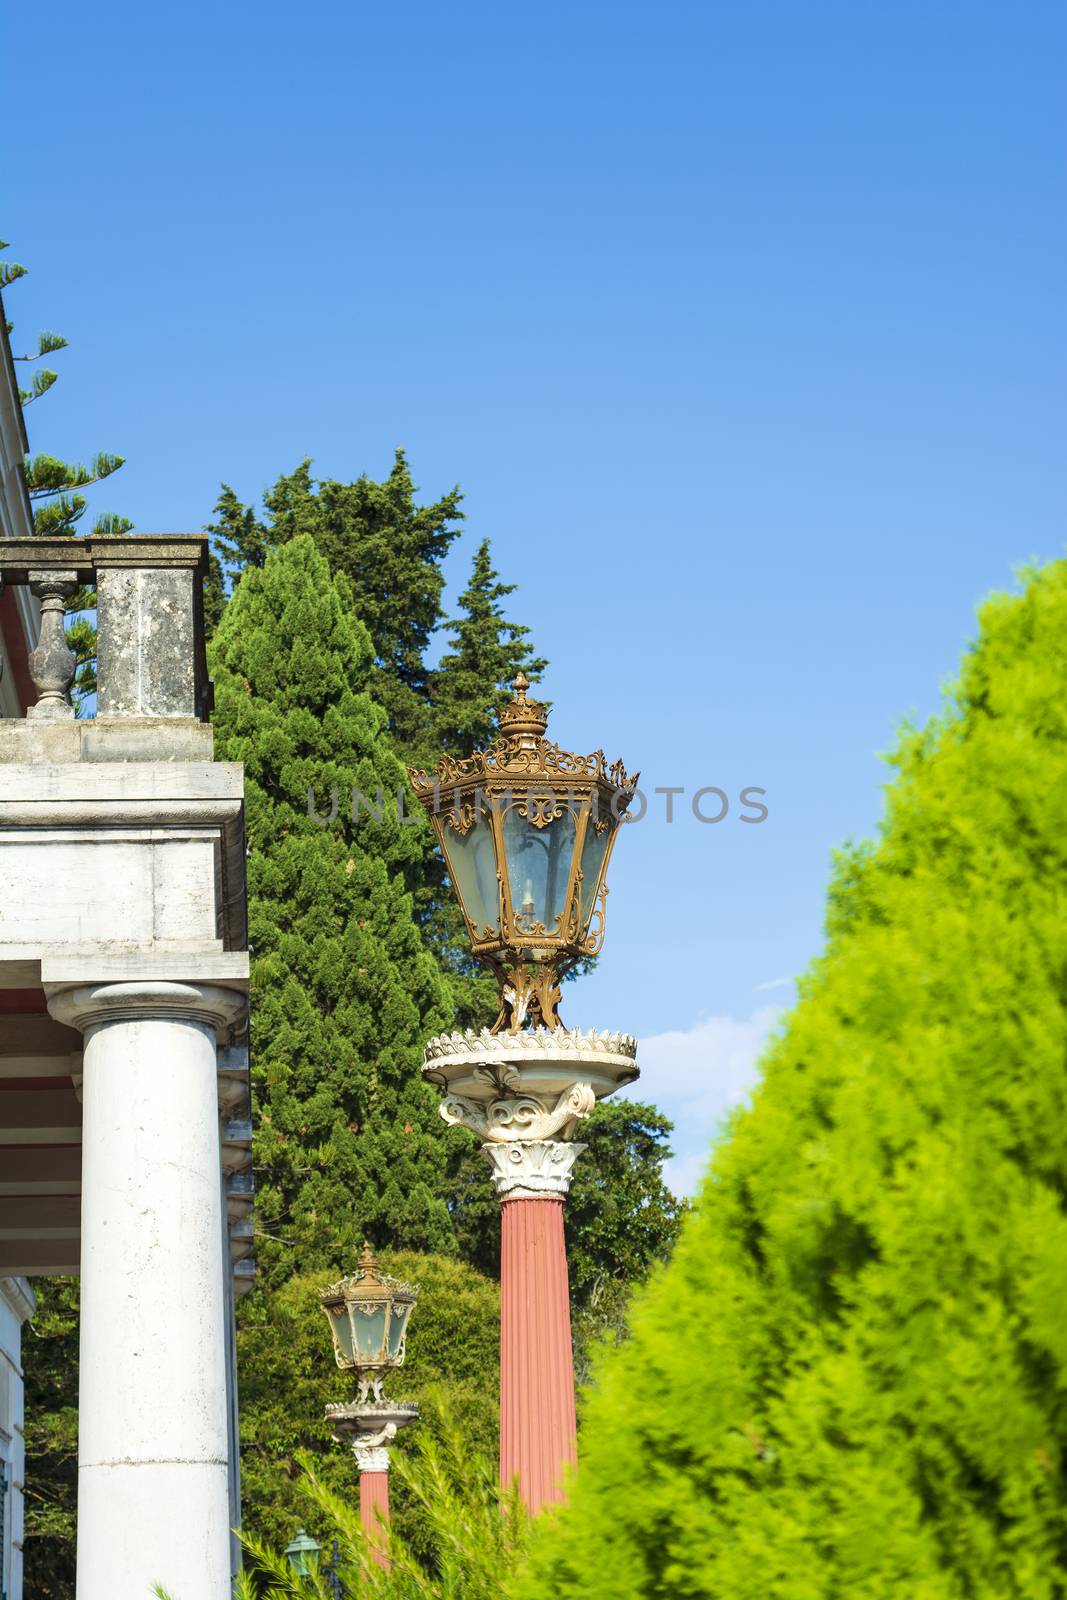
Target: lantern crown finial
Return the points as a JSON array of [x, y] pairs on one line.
[[368, 1261], [522, 717]]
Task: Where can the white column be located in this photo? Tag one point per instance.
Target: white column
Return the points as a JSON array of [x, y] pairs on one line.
[[233, 1444], [153, 1446]]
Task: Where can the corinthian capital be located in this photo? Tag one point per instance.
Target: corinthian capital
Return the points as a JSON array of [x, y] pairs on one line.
[[532, 1169]]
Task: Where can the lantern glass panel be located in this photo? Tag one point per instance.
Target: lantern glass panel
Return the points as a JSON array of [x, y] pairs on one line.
[[594, 849], [539, 862], [341, 1330], [397, 1323], [368, 1325], [472, 867]]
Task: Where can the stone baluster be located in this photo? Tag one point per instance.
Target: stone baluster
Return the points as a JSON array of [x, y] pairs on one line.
[[52, 663]]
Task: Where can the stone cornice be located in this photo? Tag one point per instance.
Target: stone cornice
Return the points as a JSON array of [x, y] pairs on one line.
[[86, 557], [87, 797]]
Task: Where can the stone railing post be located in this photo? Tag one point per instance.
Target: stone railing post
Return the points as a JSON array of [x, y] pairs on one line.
[[52, 663], [151, 657]]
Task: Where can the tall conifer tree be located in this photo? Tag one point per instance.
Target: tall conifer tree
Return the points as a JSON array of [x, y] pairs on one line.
[[344, 992], [390, 549], [472, 682]]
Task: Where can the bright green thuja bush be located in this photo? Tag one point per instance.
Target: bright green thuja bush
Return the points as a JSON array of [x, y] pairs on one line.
[[852, 1378], [348, 1141]]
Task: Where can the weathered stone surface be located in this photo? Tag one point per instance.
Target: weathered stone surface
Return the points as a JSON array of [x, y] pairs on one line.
[[156, 739], [142, 853], [147, 642]]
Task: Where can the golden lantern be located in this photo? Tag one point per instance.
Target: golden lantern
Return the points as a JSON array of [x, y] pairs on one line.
[[527, 830], [368, 1316]]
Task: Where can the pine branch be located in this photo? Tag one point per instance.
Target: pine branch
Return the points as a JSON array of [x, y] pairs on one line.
[[47, 345], [47, 475], [41, 383], [111, 526], [59, 515]]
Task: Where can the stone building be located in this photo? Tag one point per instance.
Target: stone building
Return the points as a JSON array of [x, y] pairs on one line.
[[125, 1132], [18, 630]]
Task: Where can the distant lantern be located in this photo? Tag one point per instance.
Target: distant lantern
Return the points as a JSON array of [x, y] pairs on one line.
[[527, 830], [303, 1554], [368, 1316]]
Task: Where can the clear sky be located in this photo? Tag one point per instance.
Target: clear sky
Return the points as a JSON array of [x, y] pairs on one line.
[[742, 328]]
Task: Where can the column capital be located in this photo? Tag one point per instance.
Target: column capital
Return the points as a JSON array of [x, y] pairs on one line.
[[532, 1169], [88, 1005], [371, 1457]]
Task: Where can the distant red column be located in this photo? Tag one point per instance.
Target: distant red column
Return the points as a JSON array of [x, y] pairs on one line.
[[538, 1430], [374, 1511]]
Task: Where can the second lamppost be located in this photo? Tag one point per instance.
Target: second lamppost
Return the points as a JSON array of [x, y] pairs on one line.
[[527, 830], [368, 1316]]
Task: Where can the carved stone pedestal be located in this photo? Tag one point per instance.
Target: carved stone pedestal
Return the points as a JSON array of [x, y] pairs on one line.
[[525, 1095], [370, 1429]]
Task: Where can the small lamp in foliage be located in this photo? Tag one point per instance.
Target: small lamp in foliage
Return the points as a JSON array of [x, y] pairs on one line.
[[368, 1316], [303, 1554], [527, 830]]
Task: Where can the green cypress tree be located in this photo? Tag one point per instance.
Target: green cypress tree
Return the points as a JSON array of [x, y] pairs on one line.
[[390, 549], [852, 1378], [467, 690], [348, 1141], [238, 540], [473, 681]]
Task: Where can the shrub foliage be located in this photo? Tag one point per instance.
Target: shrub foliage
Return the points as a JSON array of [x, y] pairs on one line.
[[852, 1378]]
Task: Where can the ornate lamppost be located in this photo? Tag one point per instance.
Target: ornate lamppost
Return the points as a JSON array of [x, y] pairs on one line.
[[368, 1316], [527, 830]]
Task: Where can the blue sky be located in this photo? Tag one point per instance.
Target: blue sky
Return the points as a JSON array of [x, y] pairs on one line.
[[741, 326]]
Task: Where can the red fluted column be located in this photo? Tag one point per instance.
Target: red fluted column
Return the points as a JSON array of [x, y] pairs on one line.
[[374, 1511], [537, 1420]]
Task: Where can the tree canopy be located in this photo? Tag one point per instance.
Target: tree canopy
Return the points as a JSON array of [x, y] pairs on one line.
[[344, 993], [390, 548], [852, 1377]]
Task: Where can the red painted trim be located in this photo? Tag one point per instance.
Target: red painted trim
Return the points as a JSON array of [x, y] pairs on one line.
[[23, 1002], [56, 1081], [17, 648], [37, 1146]]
